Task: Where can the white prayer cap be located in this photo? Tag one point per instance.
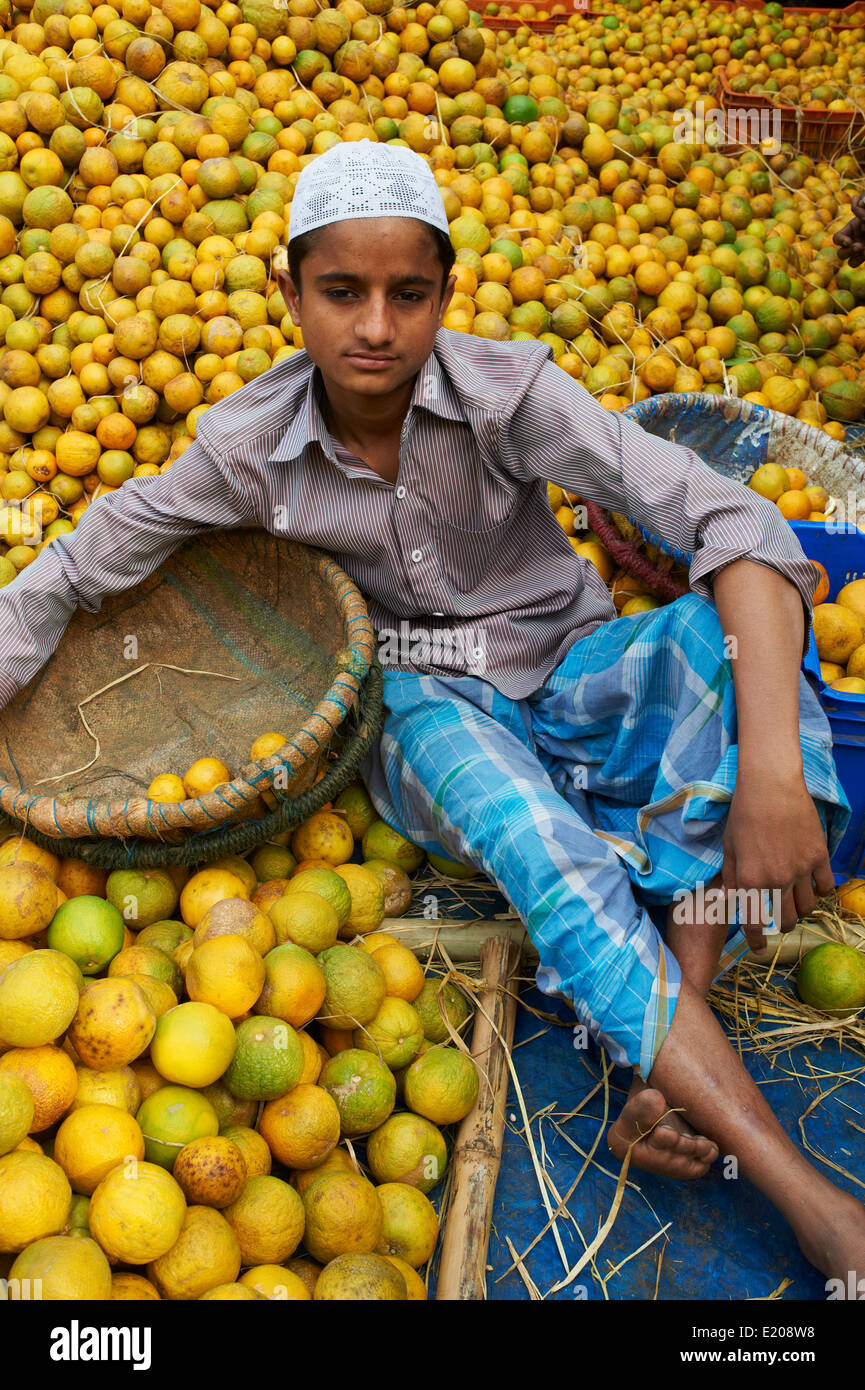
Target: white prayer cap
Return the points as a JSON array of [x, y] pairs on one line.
[[364, 179]]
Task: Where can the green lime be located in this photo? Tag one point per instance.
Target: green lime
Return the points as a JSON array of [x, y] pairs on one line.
[[328, 885], [268, 1059], [434, 997], [381, 841], [831, 978], [172, 1117], [88, 930], [520, 110], [363, 1088]]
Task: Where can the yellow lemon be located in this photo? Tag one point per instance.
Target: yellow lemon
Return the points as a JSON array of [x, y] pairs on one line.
[[323, 835], [205, 1255], [268, 1220], [204, 889], [204, 775], [68, 1268], [193, 1044], [92, 1140], [136, 1213], [367, 900], [276, 1283], [35, 1198], [38, 1000], [16, 1111], [226, 972]]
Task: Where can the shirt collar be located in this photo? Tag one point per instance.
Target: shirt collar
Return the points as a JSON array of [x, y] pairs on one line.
[[432, 392]]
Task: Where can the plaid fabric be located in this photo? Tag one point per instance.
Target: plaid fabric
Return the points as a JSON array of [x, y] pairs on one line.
[[591, 802]]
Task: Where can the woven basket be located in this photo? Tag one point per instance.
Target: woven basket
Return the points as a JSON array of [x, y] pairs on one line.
[[735, 437], [236, 635]]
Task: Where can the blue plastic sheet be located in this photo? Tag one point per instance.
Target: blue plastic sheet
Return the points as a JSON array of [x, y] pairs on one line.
[[724, 1240]]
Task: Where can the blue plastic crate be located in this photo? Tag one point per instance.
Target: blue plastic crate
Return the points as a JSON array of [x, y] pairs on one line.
[[842, 554]]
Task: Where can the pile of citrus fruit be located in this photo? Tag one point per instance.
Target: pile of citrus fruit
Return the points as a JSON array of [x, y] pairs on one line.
[[839, 632], [226, 1084], [149, 150]]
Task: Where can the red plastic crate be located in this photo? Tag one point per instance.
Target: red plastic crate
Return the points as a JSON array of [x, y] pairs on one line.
[[819, 134]]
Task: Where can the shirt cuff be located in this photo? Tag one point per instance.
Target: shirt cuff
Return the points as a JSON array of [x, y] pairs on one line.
[[710, 560]]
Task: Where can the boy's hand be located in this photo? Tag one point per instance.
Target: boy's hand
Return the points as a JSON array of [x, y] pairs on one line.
[[850, 240], [774, 841]]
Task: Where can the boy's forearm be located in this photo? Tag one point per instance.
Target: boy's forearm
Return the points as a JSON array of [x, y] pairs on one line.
[[762, 616]]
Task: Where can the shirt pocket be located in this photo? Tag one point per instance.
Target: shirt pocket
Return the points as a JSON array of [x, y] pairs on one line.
[[474, 501], [481, 557]]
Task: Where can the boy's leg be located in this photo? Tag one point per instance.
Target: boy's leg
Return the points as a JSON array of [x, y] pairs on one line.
[[698, 1070], [671, 1146], [450, 776]]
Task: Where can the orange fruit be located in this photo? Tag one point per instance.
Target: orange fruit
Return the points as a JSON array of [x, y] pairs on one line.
[[441, 1085], [312, 1059], [92, 1140], [343, 1216], [256, 1154], [204, 889], [226, 972], [50, 1074], [339, 1160], [851, 896], [113, 1025], [267, 1219], [410, 1225], [403, 973], [323, 835], [294, 985], [821, 593], [360, 1278], [302, 1127], [770, 480], [794, 505], [210, 1170]]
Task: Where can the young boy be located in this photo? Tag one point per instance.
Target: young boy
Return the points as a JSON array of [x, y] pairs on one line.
[[592, 768]]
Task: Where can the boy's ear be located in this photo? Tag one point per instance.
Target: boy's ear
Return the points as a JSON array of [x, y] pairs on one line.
[[447, 297], [289, 293]]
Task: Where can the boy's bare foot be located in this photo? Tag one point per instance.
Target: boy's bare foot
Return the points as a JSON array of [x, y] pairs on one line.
[[671, 1147]]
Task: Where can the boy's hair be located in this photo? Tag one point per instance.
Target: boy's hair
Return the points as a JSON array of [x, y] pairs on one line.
[[301, 246]]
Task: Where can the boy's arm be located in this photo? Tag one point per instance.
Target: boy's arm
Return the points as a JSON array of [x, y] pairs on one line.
[[746, 557], [773, 837], [118, 542], [559, 432]]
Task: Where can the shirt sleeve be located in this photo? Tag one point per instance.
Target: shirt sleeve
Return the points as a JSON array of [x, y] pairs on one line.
[[559, 432], [121, 539]]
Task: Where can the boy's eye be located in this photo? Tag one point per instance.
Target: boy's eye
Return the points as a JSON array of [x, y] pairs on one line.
[[342, 293]]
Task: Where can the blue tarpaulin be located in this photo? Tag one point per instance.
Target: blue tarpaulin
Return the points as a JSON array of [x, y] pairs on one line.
[[724, 1240]]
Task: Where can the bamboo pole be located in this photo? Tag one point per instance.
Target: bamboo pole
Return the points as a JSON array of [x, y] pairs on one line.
[[461, 940], [478, 1151]]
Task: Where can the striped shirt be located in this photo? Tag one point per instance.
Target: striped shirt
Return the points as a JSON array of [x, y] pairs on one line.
[[464, 566]]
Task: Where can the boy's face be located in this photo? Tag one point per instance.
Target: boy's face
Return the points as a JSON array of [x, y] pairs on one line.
[[371, 302]]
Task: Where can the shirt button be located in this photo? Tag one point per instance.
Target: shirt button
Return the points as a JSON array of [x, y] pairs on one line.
[[417, 555], [400, 492]]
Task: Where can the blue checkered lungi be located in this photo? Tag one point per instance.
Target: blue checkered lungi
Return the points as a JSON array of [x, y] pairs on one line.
[[602, 794]]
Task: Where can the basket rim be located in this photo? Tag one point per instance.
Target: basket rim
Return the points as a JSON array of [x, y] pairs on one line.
[[119, 817]]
